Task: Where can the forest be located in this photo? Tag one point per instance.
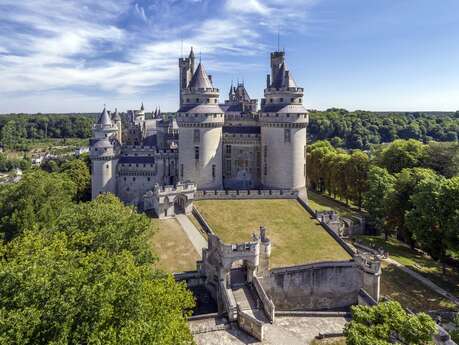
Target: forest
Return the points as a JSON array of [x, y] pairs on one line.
[[344, 129], [17, 131], [363, 129], [409, 189]]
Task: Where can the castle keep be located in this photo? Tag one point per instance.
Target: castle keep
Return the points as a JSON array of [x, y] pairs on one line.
[[207, 145]]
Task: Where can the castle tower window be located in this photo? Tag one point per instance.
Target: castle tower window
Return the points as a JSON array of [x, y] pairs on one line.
[[270, 100], [287, 135], [281, 99], [228, 149], [133, 179], [181, 170], [292, 100], [107, 166], [196, 136], [148, 179], [197, 100], [215, 100], [196, 153], [213, 171]]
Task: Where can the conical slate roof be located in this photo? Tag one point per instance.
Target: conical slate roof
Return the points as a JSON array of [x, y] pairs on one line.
[[104, 118], [283, 78], [116, 116], [200, 79]]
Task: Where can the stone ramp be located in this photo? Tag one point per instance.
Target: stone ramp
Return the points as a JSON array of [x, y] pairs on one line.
[[195, 237]]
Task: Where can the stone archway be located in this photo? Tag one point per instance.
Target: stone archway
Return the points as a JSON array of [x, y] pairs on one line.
[[180, 203]]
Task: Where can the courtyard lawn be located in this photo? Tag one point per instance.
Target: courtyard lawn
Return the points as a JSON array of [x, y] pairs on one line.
[[172, 246], [409, 292], [418, 262], [296, 237]]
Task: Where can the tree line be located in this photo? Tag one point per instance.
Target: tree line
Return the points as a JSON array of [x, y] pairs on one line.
[[82, 272], [408, 188], [362, 129], [16, 130]]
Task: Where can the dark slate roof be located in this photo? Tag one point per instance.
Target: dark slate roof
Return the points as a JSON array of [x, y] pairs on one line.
[[284, 108], [116, 116], [150, 140], [241, 129], [201, 109], [104, 118], [231, 107], [283, 78], [200, 79], [137, 160]]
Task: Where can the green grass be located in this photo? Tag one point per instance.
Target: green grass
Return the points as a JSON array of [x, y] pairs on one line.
[[176, 252], [418, 262], [409, 292], [332, 341], [296, 237], [323, 203]]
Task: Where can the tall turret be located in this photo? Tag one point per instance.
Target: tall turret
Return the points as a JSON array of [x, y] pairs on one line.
[[200, 120], [104, 152], [116, 118], [186, 67], [283, 129], [140, 116]]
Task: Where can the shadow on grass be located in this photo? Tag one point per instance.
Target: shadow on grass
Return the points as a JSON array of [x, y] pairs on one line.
[[411, 293]]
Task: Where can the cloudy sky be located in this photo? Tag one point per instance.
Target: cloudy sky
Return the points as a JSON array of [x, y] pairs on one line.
[[77, 55]]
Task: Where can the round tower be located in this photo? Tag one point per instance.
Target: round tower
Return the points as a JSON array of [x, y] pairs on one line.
[[117, 121], [200, 120], [104, 151], [283, 130]]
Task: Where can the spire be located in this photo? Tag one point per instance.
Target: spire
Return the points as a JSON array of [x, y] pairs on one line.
[[200, 79], [116, 116], [231, 93], [155, 114], [191, 56], [104, 118], [141, 107], [159, 111]]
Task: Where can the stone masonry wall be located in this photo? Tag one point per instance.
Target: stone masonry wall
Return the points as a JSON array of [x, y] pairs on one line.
[[326, 285]]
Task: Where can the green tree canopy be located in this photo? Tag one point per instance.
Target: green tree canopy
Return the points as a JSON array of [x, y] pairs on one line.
[[387, 323], [35, 201], [53, 294]]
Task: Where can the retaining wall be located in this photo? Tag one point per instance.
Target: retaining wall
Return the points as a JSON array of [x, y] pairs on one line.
[[250, 324], [321, 286], [268, 305]]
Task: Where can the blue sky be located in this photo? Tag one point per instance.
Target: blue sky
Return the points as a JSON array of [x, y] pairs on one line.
[[77, 55]]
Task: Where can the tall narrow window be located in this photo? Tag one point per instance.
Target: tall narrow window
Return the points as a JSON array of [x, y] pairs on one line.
[[213, 171], [287, 135], [196, 136], [228, 149], [265, 160], [181, 170], [228, 167], [196, 153]]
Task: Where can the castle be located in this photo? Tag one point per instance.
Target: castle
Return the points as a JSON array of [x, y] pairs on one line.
[[206, 145]]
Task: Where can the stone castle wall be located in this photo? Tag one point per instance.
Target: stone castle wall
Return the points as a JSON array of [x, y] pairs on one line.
[[325, 285]]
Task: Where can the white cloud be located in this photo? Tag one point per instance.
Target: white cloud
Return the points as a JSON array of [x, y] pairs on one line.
[[69, 47], [247, 6]]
